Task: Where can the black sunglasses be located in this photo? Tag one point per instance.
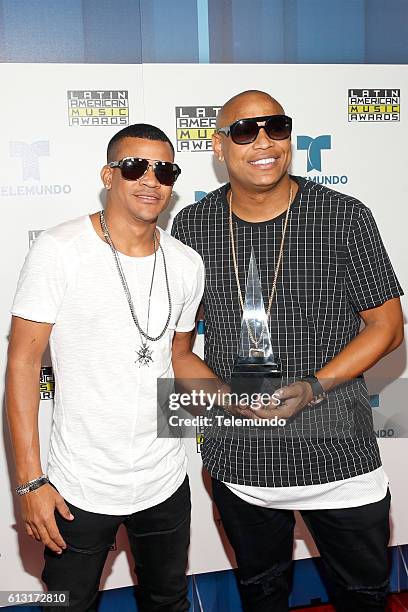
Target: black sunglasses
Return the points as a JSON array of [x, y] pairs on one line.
[[133, 168], [245, 131]]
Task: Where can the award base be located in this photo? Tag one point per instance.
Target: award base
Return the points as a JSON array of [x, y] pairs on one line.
[[255, 375]]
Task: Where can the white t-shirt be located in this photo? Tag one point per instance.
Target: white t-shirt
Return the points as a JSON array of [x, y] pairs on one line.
[[105, 455], [349, 493]]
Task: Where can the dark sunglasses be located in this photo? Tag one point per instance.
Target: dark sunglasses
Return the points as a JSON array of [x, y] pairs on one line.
[[133, 168], [245, 131]]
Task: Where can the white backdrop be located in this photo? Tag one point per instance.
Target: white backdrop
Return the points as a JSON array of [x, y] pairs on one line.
[[50, 157]]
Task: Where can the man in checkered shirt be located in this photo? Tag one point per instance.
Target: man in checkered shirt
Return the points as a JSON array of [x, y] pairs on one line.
[[334, 274]]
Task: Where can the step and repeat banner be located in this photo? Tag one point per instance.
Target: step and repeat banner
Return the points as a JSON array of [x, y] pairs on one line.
[[349, 133]]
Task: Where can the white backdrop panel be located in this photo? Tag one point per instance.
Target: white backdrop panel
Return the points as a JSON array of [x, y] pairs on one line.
[[369, 155]]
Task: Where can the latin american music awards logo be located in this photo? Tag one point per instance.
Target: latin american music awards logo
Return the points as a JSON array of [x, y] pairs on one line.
[[374, 105], [195, 126], [199, 438], [98, 107], [32, 236], [314, 148], [29, 162], [47, 383]]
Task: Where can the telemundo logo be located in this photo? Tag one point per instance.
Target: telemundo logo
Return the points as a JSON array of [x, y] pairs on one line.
[[30, 156], [314, 148], [32, 236], [199, 195]]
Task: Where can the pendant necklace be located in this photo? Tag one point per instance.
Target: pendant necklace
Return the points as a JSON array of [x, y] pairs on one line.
[[255, 350], [144, 352]]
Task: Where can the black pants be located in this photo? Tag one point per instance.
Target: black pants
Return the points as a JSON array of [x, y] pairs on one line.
[[159, 539], [352, 543]]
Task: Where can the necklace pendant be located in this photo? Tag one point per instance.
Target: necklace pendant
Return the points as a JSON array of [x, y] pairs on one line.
[[144, 356], [256, 352]]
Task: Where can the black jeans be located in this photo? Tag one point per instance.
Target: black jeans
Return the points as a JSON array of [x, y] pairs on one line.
[[159, 538], [352, 543]]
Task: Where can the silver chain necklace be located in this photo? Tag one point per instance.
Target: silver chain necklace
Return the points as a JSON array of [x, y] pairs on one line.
[[144, 353]]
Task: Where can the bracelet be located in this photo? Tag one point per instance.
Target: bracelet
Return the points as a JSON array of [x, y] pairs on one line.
[[32, 485]]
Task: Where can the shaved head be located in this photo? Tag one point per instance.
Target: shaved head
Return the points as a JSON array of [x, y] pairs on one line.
[[248, 104], [258, 166]]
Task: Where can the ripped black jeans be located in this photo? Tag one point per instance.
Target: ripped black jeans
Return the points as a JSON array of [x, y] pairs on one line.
[[352, 543], [159, 538]]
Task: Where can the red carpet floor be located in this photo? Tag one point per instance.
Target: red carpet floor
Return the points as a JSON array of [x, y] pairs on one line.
[[397, 603]]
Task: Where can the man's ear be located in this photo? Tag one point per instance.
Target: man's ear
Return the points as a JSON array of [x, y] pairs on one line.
[[217, 147], [106, 176]]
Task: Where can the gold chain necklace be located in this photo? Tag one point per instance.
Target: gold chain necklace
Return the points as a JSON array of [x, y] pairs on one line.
[[254, 340]]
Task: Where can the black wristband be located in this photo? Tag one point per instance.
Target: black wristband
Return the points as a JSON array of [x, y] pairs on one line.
[[319, 394]]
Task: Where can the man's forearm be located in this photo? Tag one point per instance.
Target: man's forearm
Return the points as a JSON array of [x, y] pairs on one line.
[[364, 351], [193, 375], [190, 365], [22, 404]]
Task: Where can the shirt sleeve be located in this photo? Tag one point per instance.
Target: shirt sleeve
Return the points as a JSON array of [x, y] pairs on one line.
[[187, 318], [41, 285], [370, 277], [175, 229]]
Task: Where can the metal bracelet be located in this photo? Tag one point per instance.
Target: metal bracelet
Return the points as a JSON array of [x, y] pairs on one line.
[[32, 485]]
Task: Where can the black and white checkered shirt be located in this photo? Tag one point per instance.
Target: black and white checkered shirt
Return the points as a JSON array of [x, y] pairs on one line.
[[334, 266]]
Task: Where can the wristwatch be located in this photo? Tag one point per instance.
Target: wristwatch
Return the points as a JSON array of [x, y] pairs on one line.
[[319, 394]]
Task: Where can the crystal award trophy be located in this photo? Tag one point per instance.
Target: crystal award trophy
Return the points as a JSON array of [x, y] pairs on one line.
[[256, 370]]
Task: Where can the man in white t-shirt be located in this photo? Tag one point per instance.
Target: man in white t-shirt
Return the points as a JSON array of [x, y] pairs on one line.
[[110, 292]]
